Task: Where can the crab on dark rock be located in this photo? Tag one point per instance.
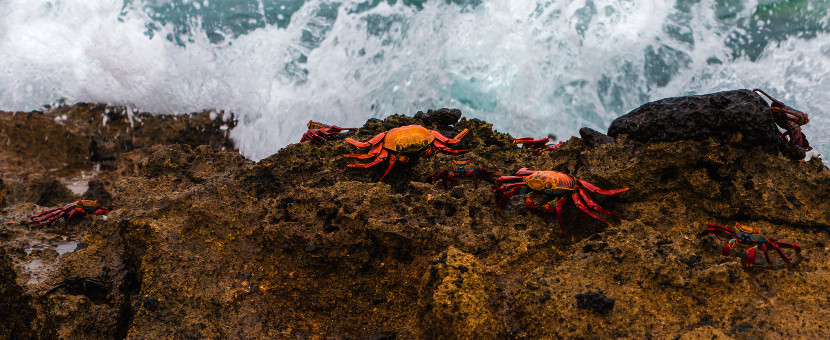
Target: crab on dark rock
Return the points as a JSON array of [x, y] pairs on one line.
[[721, 116]]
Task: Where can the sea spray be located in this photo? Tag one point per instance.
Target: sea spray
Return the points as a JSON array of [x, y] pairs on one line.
[[532, 68]]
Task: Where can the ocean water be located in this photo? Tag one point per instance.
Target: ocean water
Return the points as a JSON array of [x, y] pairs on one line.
[[530, 67]]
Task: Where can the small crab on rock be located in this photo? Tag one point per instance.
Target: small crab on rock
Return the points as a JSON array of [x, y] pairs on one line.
[[791, 121], [751, 236], [463, 169], [402, 143], [539, 145], [65, 213], [554, 188], [320, 133]]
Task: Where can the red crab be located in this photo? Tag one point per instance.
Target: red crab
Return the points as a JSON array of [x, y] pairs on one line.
[[77, 208], [790, 120], [401, 143], [537, 144], [554, 188], [462, 169], [751, 236], [320, 133]]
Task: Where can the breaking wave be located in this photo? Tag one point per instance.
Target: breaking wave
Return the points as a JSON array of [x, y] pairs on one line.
[[531, 68]]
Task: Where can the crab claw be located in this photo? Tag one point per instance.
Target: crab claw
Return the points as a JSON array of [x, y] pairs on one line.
[[750, 256], [728, 247]]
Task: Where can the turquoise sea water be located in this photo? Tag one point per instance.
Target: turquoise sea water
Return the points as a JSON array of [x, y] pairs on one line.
[[532, 68]]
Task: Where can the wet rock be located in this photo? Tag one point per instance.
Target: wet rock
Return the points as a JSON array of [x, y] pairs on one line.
[[740, 117], [443, 116], [594, 138], [595, 301]]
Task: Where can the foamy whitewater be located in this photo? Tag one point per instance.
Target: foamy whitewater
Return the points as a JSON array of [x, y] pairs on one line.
[[531, 68]]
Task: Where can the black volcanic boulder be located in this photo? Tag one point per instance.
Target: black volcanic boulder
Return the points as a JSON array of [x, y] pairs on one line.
[[719, 116], [440, 117]]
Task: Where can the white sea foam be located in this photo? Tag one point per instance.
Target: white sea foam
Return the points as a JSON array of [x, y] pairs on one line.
[[530, 67]]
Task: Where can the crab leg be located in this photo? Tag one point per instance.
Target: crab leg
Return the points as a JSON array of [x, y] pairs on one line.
[[792, 114], [391, 164], [595, 189], [560, 204], [581, 206], [313, 135], [374, 140], [529, 142], [42, 224], [775, 246], [766, 254], [46, 212], [372, 153], [52, 214], [444, 139], [509, 178], [544, 208], [750, 256], [507, 187], [554, 146], [75, 211], [789, 245], [382, 156], [515, 189], [523, 172], [728, 247], [593, 204], [716, 229], [444, 148], [50, 218], [45, 221]]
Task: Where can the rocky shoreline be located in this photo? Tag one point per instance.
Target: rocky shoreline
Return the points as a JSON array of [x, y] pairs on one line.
[[203, 243]]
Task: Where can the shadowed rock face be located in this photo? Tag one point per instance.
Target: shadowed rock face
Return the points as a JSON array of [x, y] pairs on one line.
[[16, 314], [202, 243]]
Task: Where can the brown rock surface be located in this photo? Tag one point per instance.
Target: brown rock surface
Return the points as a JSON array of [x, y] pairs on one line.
[[202, 243]]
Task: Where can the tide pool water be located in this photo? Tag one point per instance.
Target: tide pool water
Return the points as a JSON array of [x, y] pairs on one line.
[[531, 68]]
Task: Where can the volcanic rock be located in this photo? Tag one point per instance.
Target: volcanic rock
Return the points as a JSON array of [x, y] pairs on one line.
[[740, 117], [594, 138], [439, 117], [203, 243], [595, 301]]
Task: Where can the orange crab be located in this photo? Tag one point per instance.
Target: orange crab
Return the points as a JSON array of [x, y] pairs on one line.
[[402, 143], [554, 188]]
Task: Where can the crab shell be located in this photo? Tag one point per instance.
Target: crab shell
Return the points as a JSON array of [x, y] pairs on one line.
[[749, 234], [410, 139], [551, 182], [89, 206]]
